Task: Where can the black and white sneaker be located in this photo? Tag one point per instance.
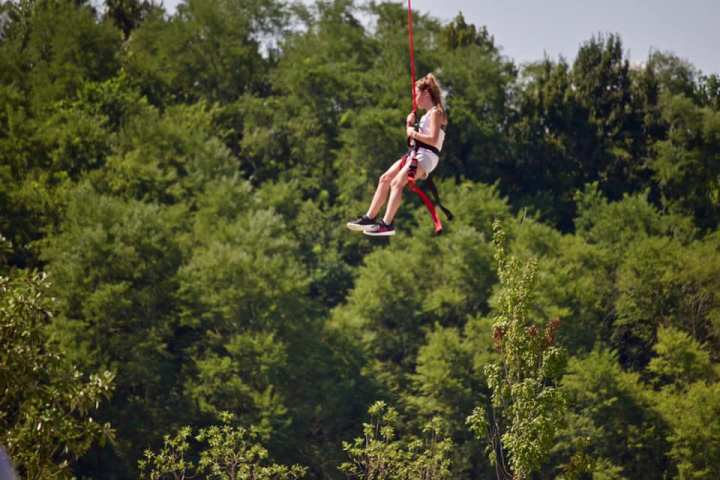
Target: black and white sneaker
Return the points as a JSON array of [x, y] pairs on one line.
[[380, 229], [361, 224]]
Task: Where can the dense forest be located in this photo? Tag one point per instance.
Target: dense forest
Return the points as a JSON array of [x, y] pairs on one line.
[[179, 295]]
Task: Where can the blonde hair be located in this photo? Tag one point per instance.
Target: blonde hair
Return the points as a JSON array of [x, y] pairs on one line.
[[430, 83]]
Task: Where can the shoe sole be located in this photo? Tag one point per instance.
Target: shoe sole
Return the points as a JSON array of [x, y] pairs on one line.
[[380, 234], [357, 228]]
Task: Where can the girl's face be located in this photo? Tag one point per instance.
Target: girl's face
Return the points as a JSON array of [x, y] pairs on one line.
[[423, 99]]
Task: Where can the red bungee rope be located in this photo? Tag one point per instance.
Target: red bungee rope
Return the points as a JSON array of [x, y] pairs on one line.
[[411, 174], [411, 41]]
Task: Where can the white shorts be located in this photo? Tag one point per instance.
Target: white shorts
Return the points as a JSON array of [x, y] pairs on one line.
[[427, 160]]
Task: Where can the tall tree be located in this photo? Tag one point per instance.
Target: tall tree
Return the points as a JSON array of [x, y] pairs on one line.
[[526, 405]]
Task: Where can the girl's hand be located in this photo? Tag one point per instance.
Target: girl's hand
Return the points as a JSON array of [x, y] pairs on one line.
[[409, 131], [410, 121]]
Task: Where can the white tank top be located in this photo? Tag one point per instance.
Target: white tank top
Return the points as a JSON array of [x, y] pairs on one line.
[[425, 128]]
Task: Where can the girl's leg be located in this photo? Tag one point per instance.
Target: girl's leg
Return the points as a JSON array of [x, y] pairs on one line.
[[383, 189], [396, 189]]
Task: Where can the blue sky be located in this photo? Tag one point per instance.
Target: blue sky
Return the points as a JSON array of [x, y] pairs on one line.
[[528, 29]]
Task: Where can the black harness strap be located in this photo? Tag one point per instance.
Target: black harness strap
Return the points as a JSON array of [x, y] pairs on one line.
[[419, 144], [428, 182]]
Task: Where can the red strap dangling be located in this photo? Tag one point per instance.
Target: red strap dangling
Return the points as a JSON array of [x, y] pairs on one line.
[[428, 203], [423, 196]]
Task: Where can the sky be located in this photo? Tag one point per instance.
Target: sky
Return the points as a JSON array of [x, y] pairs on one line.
[[527, 30]]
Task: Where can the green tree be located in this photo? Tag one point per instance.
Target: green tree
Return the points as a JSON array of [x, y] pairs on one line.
[[526, 405], [114, 264], [679, 359], [458, 33], [326, 95], [209, 49], [228, 453], [48, 406], [381, 455], [447, 383], [611, 427], [477, 80], [575, 283], [688, 399], [52, 47], [694, 429], [576, 125], [542, 171], [607, 150], [389, 308], [662, 282], [674, 75], [686, 164], [627, 221], [167, 157], [170, 461], [49, 50], [244, 256], [257, 344], [710, 91], [402, 291]]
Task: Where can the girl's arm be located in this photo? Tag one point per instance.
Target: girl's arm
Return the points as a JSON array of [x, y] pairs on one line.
[[432, 137]]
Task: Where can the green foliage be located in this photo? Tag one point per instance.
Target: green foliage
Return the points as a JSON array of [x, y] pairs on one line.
[[611, 424], [380, 455], [544, 173], [685, 164], [185, 180], [460, 34], [257, 300], [113, 262], [526, 406], [680, 359], [170, 461], [233, 454], [710, 91], [229, 453], [390, 326], [446, 375], [674, 75], [5, 251], [207, 50], [663, 283], [242, 262], [688, 400], [166, 157], [574, 283], [694, 429], [447, 383], [47, 405], [49, 136], [476, 147], [623, 222], [52, 47]]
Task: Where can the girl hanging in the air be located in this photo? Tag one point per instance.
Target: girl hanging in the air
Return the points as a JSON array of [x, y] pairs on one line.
[[427, 142]]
